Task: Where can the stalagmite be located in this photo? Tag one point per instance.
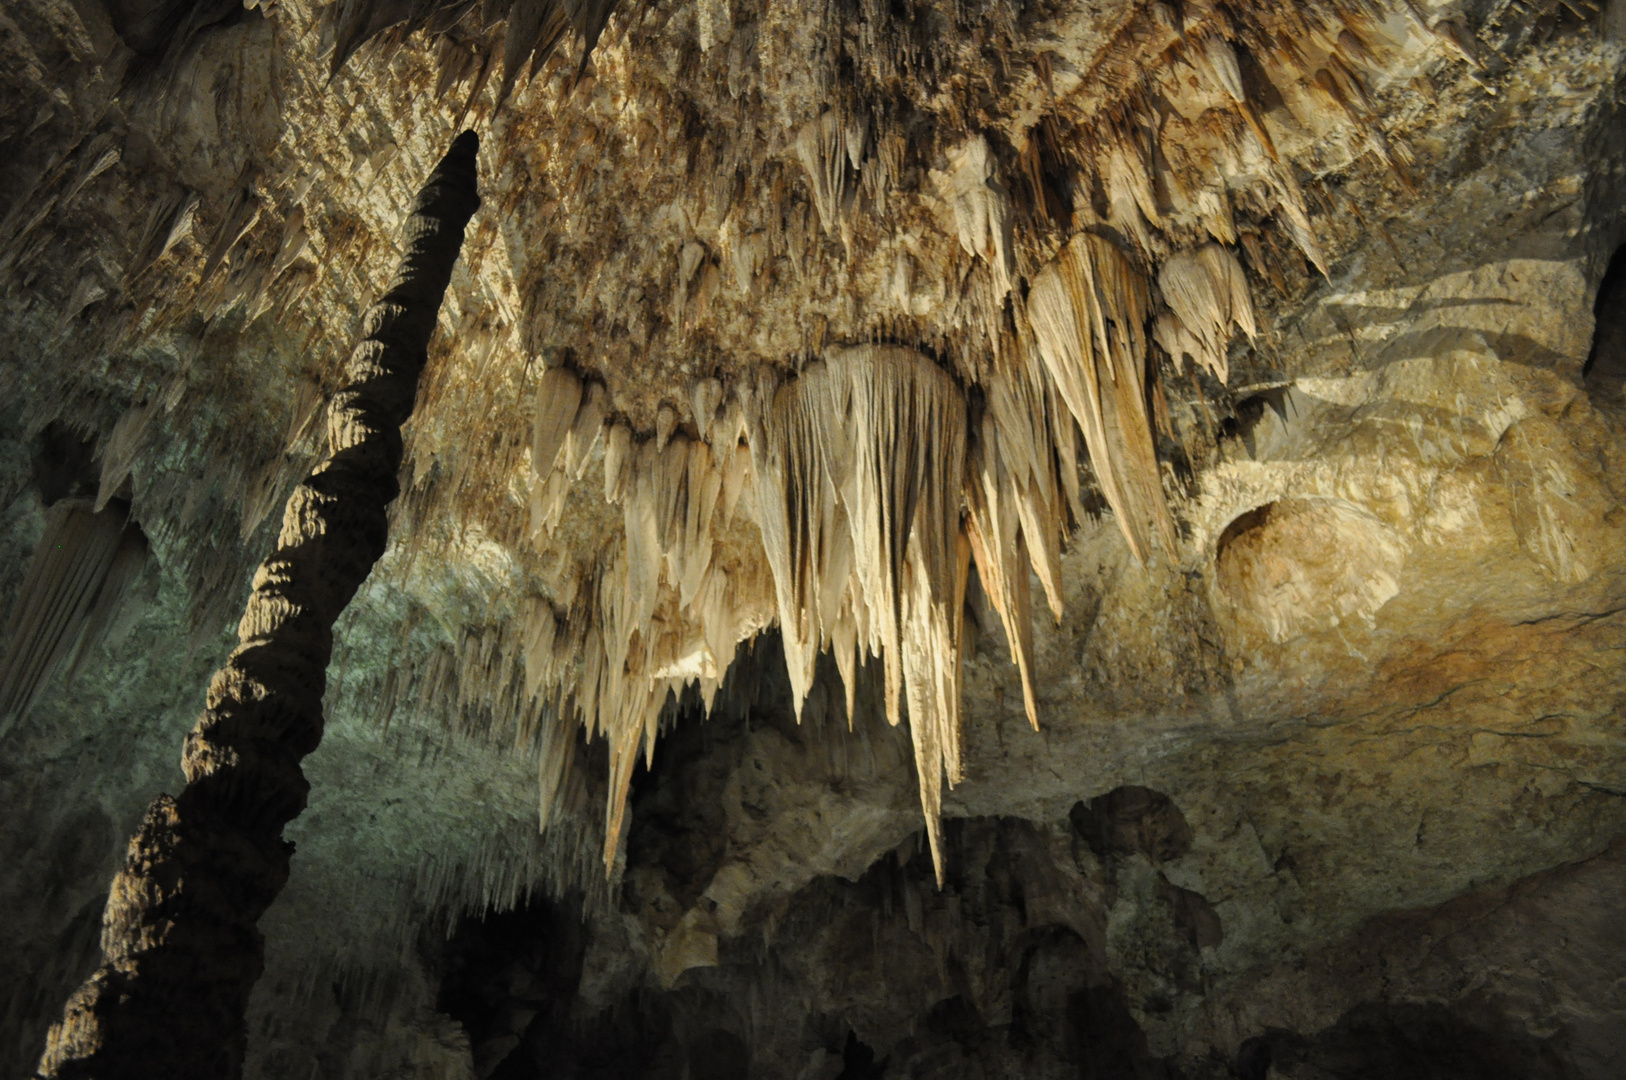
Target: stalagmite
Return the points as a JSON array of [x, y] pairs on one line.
[[736, 504], [698, 250], [180, 946], [1088, 310]]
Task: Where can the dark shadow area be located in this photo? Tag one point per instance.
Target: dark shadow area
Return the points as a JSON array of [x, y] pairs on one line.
[[1133, 820], [35, 1003], [65, 465], [153, 28], [1402, 1042], [512, 979], [885, 976], [1605, 370], [1002, 971], [858, 1061]]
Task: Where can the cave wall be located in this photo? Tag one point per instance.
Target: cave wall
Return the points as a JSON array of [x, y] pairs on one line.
[[1057, 947]]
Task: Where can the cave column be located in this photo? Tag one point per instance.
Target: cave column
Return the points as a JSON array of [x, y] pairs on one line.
[[180, 946]]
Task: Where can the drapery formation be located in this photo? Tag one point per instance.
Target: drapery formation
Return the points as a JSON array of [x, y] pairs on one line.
[[180, 947], [81, 569]]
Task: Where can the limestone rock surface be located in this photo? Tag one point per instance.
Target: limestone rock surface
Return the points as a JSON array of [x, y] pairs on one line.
[[998, 539]]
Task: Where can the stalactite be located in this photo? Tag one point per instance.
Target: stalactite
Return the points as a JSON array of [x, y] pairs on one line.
[[180, 946], [821, 147], [1130, 195], [982, 210], [558, 399], [85, 561], [851, 475], [707, 397], [242, 213], [683, 577], [1028, 425], [1088, 310], [118, 454], [1016, 515], [532, 30], [1208, 299], [586, 429]]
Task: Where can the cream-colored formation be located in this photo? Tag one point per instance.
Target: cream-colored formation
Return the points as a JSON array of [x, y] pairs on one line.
[[869, 494], [857, 469], [683, 278]]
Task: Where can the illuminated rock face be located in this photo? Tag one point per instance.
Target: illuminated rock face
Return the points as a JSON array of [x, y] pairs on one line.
[[794, 351]]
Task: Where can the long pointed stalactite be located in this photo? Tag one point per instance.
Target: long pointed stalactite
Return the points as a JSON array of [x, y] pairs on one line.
[[181, 950]]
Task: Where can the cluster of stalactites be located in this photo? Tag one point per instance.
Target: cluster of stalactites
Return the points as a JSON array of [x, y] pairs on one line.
[[1169, 156], [870, 481], [858, 467], [852, 476], [526, 33], [1208, 301], [664, 610], [1088, 310], [871, 488], [1021, 482]]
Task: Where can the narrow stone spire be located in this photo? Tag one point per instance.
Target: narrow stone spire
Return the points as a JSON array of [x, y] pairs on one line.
[[180, 948]]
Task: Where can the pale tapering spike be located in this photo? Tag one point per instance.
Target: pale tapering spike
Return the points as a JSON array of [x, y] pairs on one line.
[[1086, 310], [622, 761], [707, 396], [1022, 617], [993, 531], [557, 399], [586, 429]]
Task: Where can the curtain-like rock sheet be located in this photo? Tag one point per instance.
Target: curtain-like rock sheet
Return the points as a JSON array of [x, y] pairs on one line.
[[180, 947], [1089, 311], [85, 562], [1207, 294]]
